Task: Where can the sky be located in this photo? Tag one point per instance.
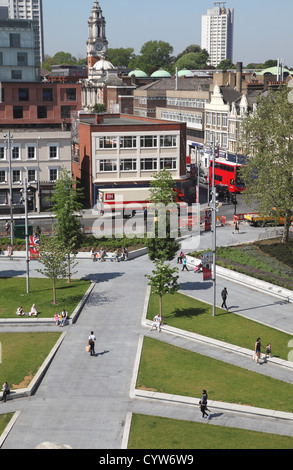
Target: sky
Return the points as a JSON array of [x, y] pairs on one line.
[[262, 30]]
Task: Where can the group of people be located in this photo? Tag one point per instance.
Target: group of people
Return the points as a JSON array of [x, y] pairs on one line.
[[61, 318], [33, 312], [181, 259], [101, 254], [257, 351]]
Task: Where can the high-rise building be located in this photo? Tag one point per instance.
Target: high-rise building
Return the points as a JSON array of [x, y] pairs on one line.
[[217, 33], [26, 10]]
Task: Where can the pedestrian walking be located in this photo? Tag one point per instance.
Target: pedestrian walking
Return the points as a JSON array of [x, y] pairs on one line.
[[6, 391], [92, 340], [269, 350], [184, 265], [203, 403], [257, 351], [224, 295]]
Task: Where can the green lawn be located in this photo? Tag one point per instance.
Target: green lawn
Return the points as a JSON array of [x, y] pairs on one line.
[[169, 369], [150, 432], [193, 315], [4, 420], [13, 294], [23, 354]]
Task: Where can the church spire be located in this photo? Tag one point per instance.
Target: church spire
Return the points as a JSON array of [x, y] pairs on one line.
[[97, 44]]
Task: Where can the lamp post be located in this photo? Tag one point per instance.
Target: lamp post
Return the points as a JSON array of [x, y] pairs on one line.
[[25, 199], [9, 150], [214, 229]]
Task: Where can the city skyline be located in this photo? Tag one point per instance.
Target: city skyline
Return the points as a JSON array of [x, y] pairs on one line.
[[261, 32]]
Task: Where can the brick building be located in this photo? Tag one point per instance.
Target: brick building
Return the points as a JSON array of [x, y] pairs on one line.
[[117, 150]]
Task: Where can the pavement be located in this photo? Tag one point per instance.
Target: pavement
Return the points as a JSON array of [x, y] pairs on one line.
[[87, 402]]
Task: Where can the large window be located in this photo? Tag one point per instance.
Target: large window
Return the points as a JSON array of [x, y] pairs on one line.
[[148, 164], [31, 152], [31, 176], [14, 39], [168, 163], [108, 142], [23, 94], [48, 94], [17, 112], [42, 112], [71, 94], [128, 142], [22, 59], [108, 165], [16, 176], [2, 153], [128, 164], [168, 141], [149, 141], [2, 177], [53, 152]]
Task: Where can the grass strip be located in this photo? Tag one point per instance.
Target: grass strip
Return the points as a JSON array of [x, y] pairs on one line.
[[150, 432], [13, 294], [22, 356], [169, 369], [186, 313]]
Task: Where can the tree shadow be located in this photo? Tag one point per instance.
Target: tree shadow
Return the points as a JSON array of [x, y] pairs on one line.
[[104, 277], [188, 312], [196, 285]]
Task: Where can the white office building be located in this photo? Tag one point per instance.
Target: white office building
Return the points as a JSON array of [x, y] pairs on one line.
[[26, 10], [217, 33]]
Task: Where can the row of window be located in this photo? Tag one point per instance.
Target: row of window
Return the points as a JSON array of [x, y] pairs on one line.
[[217, 119], [42, 112], [48, 93], [148, 141], [130, 164], [187, 102], [31, 152], [31, 174], [182, 117]]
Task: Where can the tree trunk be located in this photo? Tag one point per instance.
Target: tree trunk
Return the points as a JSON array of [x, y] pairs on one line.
[[54, 291], [69, 273], [287, 226], [161, 305]]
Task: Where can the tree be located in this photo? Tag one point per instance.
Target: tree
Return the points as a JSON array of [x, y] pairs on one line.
[[193, 60], [53, 257], [99, 108], [67, 208], [267, 138], [225, 64], [121, 56], [153, 55], [163, 245], [163, 281]]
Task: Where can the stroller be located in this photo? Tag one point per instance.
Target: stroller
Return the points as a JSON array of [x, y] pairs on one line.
[[198, 268]]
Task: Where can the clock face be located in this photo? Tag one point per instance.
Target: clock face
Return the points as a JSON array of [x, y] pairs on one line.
[[99, 46]]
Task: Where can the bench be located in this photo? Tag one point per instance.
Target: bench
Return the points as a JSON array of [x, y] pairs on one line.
[[108, 256]]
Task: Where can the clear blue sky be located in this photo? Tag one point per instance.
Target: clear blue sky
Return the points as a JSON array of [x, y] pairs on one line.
[[263, 28]]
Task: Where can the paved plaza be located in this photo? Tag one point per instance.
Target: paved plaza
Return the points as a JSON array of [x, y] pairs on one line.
[[86, 402]]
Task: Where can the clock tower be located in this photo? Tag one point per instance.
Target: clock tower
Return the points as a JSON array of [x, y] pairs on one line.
[[97, 44]]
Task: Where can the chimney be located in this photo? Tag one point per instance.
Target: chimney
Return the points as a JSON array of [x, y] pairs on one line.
[[99, 118], [239, 77]]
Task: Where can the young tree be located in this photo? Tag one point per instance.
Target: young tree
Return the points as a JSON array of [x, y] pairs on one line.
[[53, 258], [163, 245], [267, 138], [67, 208], [163, 281]]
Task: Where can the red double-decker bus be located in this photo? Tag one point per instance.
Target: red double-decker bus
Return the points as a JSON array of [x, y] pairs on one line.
[[227, 174]]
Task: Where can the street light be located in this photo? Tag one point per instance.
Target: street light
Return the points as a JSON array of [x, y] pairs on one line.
[[9, 149]]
